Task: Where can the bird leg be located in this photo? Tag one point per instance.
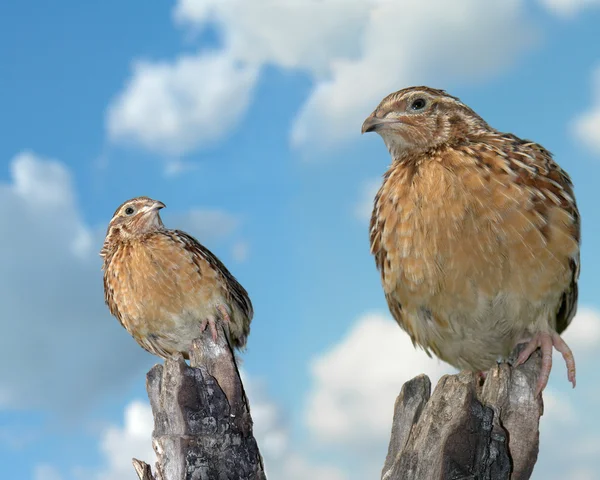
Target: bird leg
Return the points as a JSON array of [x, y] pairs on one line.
[[545, 341], [211, 324], [224, 313]]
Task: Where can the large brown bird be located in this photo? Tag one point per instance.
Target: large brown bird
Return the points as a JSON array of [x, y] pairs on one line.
[[164, 286], [475, 232]]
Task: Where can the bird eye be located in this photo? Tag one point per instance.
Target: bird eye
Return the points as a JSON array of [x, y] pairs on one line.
[[129, 211], [418, 104]]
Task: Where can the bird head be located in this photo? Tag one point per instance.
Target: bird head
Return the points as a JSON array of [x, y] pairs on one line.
[[418, 119], [135, 217]]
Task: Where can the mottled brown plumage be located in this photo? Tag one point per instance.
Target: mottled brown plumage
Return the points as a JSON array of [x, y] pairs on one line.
[[475, 233], [164, 286]]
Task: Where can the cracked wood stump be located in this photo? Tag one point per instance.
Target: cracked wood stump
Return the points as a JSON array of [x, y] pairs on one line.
[[202, 423], [465, 431]]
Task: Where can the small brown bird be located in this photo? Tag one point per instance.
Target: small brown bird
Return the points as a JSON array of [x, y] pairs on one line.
[[164, 286], [476, 234]]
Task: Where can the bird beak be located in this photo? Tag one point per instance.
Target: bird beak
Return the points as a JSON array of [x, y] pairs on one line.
[[373, 123], [157, 205]]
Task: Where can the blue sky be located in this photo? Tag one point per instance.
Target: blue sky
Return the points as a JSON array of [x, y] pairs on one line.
[[244, 118]]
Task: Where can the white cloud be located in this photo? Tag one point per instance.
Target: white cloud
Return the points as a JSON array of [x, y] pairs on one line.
[[357, 381], [173, 107], [282, 458], [46, 472], [568, 8], [587, 126], [292, 35], [270, 428], [364, 207], [133, 440], [45, 187], [562, 419], [583, 334], [55, 321], [44, 184], [120, 444], [355, 53], [407, 43]]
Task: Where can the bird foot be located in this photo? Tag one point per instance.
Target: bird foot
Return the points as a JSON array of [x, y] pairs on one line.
[[212, 325], [545, 341]]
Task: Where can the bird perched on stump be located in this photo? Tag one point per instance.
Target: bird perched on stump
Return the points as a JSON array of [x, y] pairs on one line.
[[475, 233], [165, 287]]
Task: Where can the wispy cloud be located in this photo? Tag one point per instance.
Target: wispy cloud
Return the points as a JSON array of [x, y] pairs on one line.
[[364, 206], [568, 8], [586, 127]]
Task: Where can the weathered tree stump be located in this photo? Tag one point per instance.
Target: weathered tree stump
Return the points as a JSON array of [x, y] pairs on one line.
[[202, 422], [467, 431]]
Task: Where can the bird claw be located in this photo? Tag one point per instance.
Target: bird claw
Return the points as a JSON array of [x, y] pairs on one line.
[[211, 324], [545, 341]]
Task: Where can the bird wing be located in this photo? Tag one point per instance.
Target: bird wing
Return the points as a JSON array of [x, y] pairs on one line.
[[376, 229], [237, 295], [109, 294], [568, 304], [536, 169]]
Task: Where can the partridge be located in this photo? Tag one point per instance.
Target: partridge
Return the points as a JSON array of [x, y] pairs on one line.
[[476, 234], [165, 287]]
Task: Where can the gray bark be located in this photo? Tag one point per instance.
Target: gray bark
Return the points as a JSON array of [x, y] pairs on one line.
[[202, 422], [465, 430]]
